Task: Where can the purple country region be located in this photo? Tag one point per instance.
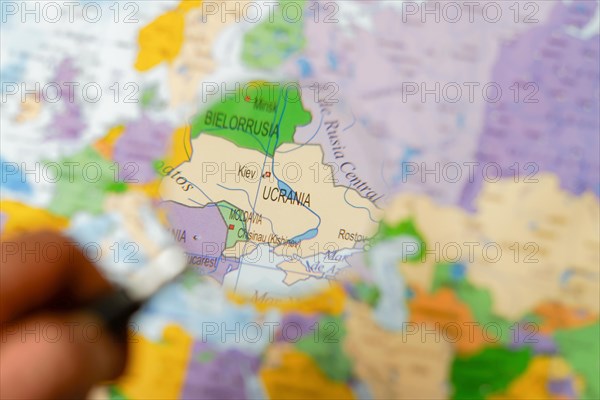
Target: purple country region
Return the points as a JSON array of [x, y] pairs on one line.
[[352, 153], [225, 265], [353, 149], [562, 387], [3, 219], [65, 71], [539, 342], [389, 128], [143, 142], [294, 325], [67, 124], [213, 374], [201, 232], [68, 121], [551, 123]]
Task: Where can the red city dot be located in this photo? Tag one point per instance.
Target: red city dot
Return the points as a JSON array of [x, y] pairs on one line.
[[267, 174], [247, 98], [231, 227]]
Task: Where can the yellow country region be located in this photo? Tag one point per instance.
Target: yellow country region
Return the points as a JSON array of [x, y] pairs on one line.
[[150, 189], [560, 369], [161, 40], [531, 385], [329, 301], [187, 5], [179, 152], [105, 145], [30, 109], [534, 381], [298, 377], [156, 370], [194, 60], [181, 147], [23, 218]]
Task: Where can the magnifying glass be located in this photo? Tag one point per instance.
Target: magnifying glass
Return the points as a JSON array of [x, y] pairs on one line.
[[135, 251]]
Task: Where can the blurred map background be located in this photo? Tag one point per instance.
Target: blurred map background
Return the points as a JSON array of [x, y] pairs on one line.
[[378, 199]]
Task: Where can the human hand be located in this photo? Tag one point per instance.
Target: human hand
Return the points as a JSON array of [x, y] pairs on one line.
[[51, 347]]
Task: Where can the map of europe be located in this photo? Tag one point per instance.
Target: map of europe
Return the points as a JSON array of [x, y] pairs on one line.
[[389, 200]]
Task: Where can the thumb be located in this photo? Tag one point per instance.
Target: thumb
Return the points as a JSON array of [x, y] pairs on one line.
[[57, 355]]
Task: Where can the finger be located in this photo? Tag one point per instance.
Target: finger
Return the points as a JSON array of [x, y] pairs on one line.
[[44, 267], [49, 356]]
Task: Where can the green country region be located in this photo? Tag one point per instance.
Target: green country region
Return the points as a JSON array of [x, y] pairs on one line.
[[149, 96], [205, 356], [271, 42], [478, 300], [367, 293], [85, 179], [488, 372], [325, 347], [442, 277], [115, 394], [235, 223], [498, 330], [581, 348], [405, 227], [259, 116]]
